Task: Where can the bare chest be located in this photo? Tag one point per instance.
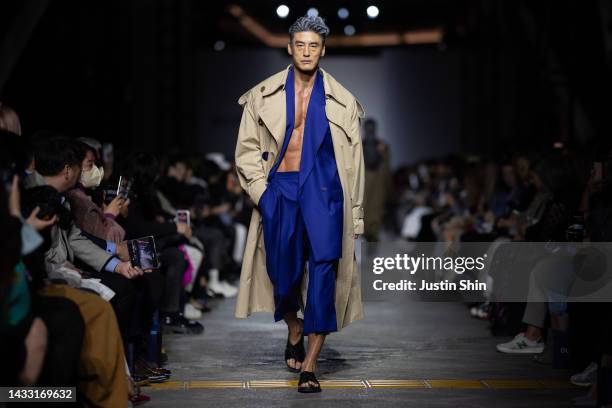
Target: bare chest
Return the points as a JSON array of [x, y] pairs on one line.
[[302, 100]]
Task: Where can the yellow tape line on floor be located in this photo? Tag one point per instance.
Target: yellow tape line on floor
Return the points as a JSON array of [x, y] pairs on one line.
[[366, 383]]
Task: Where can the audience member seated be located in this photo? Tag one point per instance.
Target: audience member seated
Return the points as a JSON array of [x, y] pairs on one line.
[[147, 217], [88, 216]]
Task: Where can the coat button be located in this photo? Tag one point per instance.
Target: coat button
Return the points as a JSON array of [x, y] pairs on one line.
[[263, 88], [260, 122]]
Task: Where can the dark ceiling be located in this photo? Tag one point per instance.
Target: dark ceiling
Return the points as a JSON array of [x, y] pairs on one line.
[[135, 61], [215, 23]]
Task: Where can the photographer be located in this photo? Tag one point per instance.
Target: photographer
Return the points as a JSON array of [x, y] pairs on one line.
[[23, 336]]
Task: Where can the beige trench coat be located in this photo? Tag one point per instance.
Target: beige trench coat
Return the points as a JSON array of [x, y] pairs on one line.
[[262, 128]]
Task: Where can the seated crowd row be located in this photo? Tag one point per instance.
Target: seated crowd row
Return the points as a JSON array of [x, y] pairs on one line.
[[76, 308]]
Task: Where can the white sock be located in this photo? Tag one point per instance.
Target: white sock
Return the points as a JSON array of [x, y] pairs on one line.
[[213, 276]]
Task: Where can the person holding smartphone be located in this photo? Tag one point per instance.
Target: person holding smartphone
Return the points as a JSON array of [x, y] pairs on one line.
[[100, 222]]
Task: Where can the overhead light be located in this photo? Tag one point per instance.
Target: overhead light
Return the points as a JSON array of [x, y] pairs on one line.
[[219, 45], [282, 11], [372, 11], [312, 12], [349, 30], [343, 13]]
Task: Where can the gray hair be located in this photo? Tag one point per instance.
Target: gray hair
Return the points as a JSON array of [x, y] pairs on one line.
[[308, 23]]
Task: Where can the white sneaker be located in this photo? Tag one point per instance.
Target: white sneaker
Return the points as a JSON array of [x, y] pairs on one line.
[[219, 286], [229, 287], [225, 290], [521, 345], [191, 312], [585, 378]]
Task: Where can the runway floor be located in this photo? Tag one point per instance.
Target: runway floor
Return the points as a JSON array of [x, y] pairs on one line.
[[409, 354]]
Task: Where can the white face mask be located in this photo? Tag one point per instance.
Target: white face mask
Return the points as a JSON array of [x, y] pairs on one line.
[[93, 177]]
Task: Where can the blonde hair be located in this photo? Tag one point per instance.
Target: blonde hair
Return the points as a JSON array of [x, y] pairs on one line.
[[9, 119]]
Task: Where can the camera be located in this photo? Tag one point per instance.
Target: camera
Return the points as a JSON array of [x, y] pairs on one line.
[[47, 199]]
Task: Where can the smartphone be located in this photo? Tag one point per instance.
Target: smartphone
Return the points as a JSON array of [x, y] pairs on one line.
[[123, 187], [143, 253], [183, 217]]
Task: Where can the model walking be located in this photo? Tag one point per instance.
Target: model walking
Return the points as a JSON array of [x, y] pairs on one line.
[[299, 158]]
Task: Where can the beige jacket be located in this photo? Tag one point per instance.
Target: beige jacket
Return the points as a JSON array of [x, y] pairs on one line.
[[262, 128]]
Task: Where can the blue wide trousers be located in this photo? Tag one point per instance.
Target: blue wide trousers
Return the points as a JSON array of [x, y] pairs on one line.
[[287, 248]]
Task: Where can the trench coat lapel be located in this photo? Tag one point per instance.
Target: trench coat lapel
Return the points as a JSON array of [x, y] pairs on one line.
[[273, 112], [335, 106], [273, 115]]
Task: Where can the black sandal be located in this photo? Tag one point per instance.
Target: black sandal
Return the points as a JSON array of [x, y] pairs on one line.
[[296, 352], [305, 377]]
